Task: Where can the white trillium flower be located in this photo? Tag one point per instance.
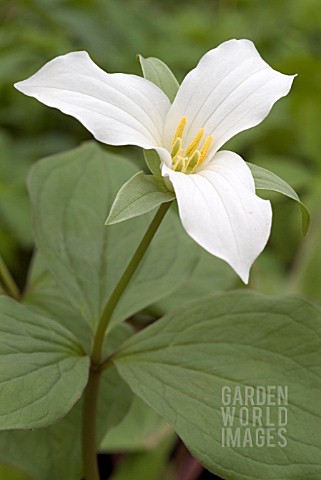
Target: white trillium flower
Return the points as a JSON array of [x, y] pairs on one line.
[[231, 89]]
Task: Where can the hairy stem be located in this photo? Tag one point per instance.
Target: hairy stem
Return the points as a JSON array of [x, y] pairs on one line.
[[7, 281], [97, 366]]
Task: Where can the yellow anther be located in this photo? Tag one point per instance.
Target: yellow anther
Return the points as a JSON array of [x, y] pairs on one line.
[[205, 148], [193, 161], [187, 160], [179, 130], [176, 147], [195, 143]]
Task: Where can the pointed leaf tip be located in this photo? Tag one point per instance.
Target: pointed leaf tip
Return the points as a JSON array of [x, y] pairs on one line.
[[160, 74], [140, 194]]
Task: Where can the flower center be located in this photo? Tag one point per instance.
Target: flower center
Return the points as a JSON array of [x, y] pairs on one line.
[[188, 159]]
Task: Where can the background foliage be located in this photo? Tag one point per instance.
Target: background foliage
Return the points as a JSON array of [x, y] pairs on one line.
[[287, 34]]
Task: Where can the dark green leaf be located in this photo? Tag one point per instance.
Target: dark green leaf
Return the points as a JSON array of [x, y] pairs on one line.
[[71, 195], [180, 365], [43, 370], [210, 276], [54, 453]]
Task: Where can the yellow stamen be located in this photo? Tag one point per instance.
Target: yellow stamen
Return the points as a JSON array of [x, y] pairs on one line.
[[193, 161], [179, 165], [179, 130], [195, 143], [205, 148], [189, 159], [176, 147]]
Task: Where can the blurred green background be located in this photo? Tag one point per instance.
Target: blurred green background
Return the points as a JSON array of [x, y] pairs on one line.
[[287, 34]]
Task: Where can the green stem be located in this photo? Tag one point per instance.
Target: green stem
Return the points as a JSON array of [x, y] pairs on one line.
[[124, 281], [7, 281], [97, 366], [107, 363], [89, 426]]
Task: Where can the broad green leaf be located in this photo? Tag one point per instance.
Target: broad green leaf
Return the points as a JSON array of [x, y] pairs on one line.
[[141, 194], [43, 370], [43, 295], [158, 73], [141, 429], [71, 194], [53, 304], [266, 180], [39, 279], [180, 365], [210, 276], [54, 453]]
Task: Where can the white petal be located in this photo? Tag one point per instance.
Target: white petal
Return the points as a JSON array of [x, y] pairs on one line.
[[220, 211], [231, 89], [164, 156], [118, 109]]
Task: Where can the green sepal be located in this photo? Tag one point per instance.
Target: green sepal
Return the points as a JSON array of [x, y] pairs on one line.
[[140, 194], [159, 73], [266, 180], [153, 162]]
